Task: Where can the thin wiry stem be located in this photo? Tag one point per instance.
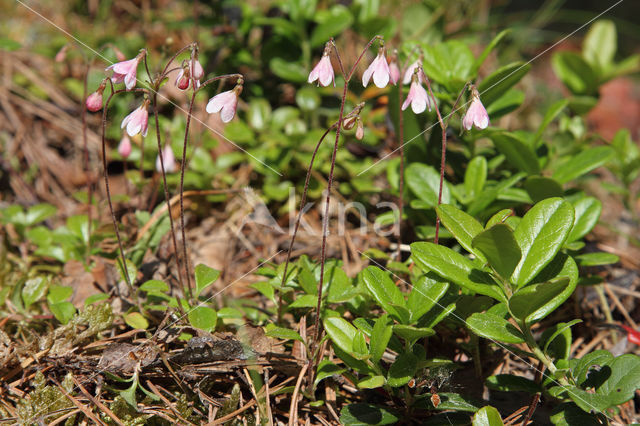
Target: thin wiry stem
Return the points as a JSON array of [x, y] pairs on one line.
[[106, 181], [183, 166], [303, 200], [325, 218], [85, 148], [444, 149]]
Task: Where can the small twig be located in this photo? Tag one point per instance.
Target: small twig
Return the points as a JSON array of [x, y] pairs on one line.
[[97, 403], [293, 412], [621, 308]]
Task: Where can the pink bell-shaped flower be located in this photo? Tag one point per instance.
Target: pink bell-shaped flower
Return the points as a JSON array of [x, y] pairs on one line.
[[225, 103], [394, 71], [476, 114], [168, 159], [417, 97], [125, 71], [408, 74], [323, 71], [184, 78], [137, 121], [124, 147], [196, 70], [379, 70]]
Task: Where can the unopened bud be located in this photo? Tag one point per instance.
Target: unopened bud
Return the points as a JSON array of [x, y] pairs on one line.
[[360, 130]]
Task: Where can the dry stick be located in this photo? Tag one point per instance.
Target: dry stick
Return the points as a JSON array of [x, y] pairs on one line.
[[325, 219], [98, 404], [536, 397], [294, 397], [106, 182], [299, 218]]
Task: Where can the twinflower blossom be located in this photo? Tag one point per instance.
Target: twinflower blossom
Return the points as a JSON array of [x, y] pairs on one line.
[[168, 159], [124, 148], [417, 97], [125, 71], [197, 72], [184, 78], [476, 114], [94, 100], [225, 103], [379, 70], [394, 71], [408, 74], [137, 121], [323, 71]]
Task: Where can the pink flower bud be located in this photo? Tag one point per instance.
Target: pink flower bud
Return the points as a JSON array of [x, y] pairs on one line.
[[137, 121], [379, 69], [323, 71], [119, 55], [126, 71], [196, 69], [168, 159], [476, 114], [225, 103], [417, 97], [94, 101], [183, 80], [62, 53], [394, 71], [124, 148]]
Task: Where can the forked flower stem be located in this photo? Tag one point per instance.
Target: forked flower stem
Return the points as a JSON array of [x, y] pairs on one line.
[[443, 156], [182, 170], [85, 148], [106, 184], [325, 218]]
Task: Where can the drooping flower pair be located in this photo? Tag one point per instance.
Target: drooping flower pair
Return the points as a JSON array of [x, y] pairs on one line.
[[226, 103], [476, 114], [126, 71], [417, 97]]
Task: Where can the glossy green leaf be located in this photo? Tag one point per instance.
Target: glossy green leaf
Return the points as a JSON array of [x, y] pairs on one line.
[[287, 70], [511, 383], [583, 365], [132, 271], [500, 248], [454, 267], [463, 226], [621, 385], [487, 50], [587, 212], [583, 163], [341, 332], [412, 334], [326, 369], [499, 217], [569, 414], [557, 339], [371, 382], [494, 328], [305, 301], [424, 182], [34, 289], [554, 110], [597, 259], [490, 193], [79, 226], [536, 301], [475, 176], [540, 188], [63, 311], [518, 153], [283, 333], [487, 416], [600, 45], [203, 317], [575, 73], [59, 293], [136, 321], [339, 20], [449, 63], [500, 81], [38, 213], [385, 292], [367, 414], [95, 298], [259, 113], [205, 276], [540, 234], [308, 98], [425, 294], [402, 370], [380, 336], [506, 103], [155, 286]]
